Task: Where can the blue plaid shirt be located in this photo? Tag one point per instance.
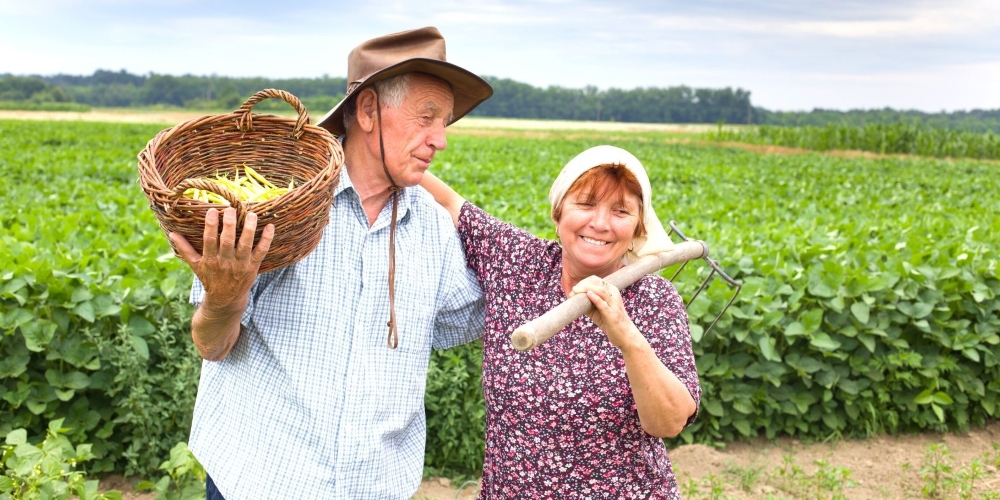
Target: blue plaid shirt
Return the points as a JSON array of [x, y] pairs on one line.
[[311, 402]]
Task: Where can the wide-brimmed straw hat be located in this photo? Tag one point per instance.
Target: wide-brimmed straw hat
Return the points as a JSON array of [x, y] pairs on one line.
[[420, 50]]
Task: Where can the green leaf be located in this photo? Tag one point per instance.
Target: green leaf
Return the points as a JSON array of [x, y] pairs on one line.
[[942, 398], [144, 485], [13, 365], [17, 437], [713, 407], [767, 349], [38, 334], [697, 332], [803, 400], [824, 342], [938, 411], [833, 420], [104, 306], [85, 310], [30, 454], [743, 406], [971, 353], [819, 287], [80, 294], [168, 285], [868, 341], [141, 347], [16, 318], [140, 326], [860, 311], [795, 329], [915, 310], [56, 425], [36, 407], [812, 320], [743, 426], [923, 398]]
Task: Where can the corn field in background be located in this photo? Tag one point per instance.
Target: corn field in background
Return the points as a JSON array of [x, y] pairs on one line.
[[895, 138]]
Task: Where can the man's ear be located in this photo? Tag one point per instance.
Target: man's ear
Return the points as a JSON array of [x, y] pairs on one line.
[[365, 109]]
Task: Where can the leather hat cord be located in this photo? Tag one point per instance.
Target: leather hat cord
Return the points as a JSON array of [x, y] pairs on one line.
[[393, 338]]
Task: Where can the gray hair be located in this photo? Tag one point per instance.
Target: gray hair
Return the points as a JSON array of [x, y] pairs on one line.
[[391, 92]]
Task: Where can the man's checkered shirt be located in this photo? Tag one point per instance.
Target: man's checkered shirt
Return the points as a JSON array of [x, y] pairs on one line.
[[311, 403]]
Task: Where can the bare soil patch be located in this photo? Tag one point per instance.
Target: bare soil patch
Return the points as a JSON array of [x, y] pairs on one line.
[[885, 467]]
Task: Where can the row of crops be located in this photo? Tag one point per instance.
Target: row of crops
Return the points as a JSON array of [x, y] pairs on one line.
[[882, 138], [869, 300]]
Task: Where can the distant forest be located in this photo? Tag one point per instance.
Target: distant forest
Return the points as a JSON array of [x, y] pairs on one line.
[[680, 104]]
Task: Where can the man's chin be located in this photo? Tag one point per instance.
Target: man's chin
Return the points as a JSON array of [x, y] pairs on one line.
[[414, 178]]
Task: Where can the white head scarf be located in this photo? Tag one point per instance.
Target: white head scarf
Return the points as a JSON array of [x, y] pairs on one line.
[[656, 240]]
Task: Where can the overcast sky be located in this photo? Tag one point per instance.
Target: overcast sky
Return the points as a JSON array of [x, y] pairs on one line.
[[791, 55]]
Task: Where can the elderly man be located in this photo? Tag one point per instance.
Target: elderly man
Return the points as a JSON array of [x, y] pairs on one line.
[[314, 374]]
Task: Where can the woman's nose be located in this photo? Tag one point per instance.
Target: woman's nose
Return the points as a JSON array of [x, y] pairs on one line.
[[601, 218]]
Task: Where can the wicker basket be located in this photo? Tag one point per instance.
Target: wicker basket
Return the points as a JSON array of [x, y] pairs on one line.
[[280, 149]]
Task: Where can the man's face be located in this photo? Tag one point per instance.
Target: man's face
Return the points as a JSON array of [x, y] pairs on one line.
[[414, 131]]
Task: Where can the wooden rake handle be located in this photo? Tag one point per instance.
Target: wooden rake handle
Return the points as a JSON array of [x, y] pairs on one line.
[[535, 332]]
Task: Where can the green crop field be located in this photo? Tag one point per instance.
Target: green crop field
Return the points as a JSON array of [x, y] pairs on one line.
[[868, 307]]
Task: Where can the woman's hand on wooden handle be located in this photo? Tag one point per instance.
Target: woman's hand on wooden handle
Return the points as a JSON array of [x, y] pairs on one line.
[[609, 310]]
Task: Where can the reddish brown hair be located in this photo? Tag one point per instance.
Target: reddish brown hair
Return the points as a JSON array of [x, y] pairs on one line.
[[609, 180]]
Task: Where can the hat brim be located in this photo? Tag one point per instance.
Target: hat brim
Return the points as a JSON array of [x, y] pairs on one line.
[[469, 90]]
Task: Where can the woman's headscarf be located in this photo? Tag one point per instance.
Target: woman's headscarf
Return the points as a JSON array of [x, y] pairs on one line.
[[656, 240]]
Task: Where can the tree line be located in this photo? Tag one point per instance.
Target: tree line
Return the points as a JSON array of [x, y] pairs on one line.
[[512, 99]]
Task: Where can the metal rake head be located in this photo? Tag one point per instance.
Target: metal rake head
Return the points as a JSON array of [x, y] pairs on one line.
[[736, 285]]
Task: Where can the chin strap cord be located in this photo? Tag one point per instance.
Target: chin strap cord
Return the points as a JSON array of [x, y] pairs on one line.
[[394, 189]]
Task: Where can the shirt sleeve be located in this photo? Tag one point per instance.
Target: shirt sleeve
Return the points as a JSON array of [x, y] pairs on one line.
[[493, 247], [461, 315], [663, 320]]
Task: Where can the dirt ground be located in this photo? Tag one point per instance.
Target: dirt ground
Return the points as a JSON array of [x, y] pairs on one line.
[[887, 467]]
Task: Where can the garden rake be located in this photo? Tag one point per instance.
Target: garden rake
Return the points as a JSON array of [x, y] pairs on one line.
[[535, 332]]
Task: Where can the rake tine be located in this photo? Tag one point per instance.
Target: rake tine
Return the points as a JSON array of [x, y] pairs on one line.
[[715, 266], [702, 287], [679, 269], [739, 286], [715, 270]]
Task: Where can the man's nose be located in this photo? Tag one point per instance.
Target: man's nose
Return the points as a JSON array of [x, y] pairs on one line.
[[437, 138]]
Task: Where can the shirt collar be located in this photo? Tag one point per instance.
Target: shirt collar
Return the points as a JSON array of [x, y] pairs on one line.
[[406, 196]]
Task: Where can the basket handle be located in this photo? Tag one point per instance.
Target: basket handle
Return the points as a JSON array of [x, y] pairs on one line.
[[246, 117], [207, 185]]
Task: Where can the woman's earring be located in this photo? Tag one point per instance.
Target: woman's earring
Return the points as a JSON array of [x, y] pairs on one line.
[[631, 246]]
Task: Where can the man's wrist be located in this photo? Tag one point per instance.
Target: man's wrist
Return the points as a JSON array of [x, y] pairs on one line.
[[215, 309]]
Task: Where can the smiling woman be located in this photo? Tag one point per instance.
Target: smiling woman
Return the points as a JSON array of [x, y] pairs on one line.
[[620, 379], [597, 221]]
